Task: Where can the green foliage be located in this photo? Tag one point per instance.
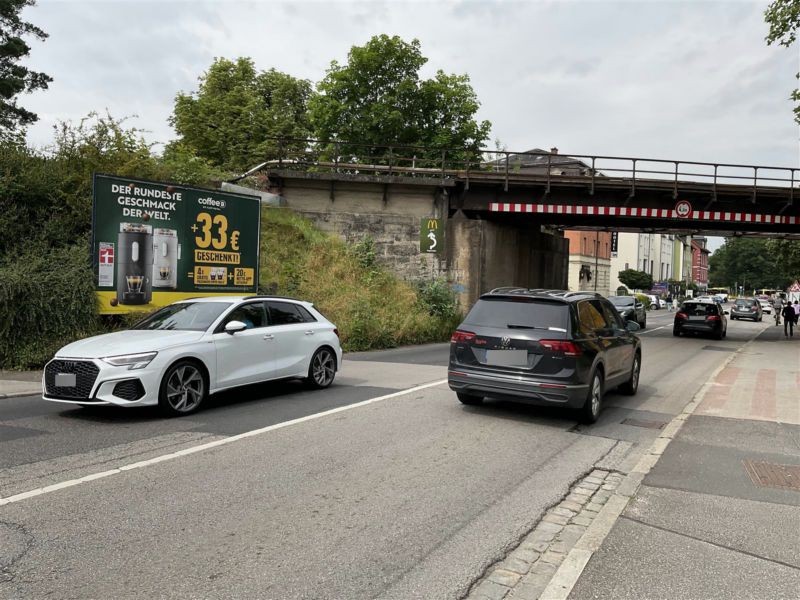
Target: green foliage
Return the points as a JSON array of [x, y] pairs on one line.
[[644, 300], [437, 297], [755, 263], [46, 300], [15, 78], [636, 280], [378, 98], [371, 307], [783, 18], [365, 252], [236, 109]]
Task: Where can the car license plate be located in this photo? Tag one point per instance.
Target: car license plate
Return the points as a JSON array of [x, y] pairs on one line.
[[65, 380], [697, 318], [507, 358]]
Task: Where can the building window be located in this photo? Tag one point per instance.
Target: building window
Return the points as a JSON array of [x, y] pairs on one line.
[[627, 266]]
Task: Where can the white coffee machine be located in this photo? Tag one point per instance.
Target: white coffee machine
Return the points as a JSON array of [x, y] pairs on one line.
[[165, 258]]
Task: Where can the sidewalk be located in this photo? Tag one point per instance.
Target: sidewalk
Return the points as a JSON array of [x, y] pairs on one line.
[[718, 516], [20, 383]]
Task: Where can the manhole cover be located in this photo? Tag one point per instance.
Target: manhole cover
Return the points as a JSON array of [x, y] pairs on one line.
[[643, 423], [764, 474], [717, 348]]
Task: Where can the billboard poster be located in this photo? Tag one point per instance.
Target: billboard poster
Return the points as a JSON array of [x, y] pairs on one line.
[[154, 243]]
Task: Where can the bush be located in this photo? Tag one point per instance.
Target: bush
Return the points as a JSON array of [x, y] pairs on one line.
[[644, 300], [47, 299]]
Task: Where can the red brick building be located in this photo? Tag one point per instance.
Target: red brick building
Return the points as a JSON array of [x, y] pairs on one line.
[[589, 260], [700, 262]]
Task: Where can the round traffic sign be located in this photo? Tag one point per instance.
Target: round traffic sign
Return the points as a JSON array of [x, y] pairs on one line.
[[683, 209]]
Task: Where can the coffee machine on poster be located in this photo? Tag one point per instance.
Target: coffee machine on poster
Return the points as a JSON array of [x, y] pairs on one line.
[[134, 263], [165, 258]]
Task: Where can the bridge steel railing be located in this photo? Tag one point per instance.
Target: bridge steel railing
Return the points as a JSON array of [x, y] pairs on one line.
[[468, 164]]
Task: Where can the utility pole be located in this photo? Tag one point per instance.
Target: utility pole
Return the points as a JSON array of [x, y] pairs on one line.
[[596, 259]]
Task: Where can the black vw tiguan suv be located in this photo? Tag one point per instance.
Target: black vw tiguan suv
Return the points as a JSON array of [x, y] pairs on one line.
[[545, 347]]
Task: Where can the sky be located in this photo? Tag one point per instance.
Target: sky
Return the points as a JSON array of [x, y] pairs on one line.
[[688, 80]]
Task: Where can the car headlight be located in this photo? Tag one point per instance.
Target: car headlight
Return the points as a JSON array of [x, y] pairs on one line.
[[133, 361]]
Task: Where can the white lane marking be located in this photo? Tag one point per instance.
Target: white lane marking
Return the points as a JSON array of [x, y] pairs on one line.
[[651, 330], [200, 448]]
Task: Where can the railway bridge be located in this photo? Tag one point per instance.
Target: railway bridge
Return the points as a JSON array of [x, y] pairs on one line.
[[503, 213]]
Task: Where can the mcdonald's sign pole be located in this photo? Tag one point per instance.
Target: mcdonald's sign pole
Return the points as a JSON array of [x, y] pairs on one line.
[[431, 235]]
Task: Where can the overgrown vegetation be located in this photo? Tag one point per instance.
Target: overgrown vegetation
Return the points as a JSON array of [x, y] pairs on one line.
[[371, 307], [46, 285]]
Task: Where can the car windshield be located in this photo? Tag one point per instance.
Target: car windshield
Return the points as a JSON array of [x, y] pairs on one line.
[[621, 300], [185, 316], [518, 313], [744, 303]]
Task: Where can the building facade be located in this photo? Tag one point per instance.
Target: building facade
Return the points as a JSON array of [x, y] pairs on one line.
[[700, 262], [589, 261]]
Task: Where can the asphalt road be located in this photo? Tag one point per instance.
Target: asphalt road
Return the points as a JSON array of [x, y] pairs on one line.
[[411, 496]]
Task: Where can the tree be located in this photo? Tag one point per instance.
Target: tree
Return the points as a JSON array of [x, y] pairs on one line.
[[233, 118], [15, 78], [783, 18], [378, 99], [786, 254], [636, 280], [748, 262]]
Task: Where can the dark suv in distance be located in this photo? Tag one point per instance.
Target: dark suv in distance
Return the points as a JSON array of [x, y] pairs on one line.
[[544, 347], [746, 308], [701, 316], [630, 309]]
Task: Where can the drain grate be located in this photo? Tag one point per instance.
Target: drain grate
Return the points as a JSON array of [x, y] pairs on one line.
[[717, 348], [643, 423], [764, 474]]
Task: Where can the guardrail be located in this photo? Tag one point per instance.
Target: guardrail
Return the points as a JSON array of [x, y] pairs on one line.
[[466, 163]]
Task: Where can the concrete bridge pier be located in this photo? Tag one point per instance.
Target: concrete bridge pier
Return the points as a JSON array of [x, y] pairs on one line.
[[484, 254]]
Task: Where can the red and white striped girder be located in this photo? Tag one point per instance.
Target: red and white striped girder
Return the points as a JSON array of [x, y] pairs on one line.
[[633, 211]]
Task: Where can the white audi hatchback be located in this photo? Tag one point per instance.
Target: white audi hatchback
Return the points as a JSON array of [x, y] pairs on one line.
[[182, 353]]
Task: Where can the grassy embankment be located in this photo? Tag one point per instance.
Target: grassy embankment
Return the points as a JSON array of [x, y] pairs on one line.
[[371, 306]]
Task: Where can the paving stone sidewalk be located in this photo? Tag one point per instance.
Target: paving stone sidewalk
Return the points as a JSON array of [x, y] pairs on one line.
[[526, 571]]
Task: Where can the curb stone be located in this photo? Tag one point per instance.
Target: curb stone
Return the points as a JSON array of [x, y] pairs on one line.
[[529, 568]]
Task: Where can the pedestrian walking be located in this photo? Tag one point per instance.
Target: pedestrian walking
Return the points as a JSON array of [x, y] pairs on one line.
[[788, 320], [796, 311], [777, 307], [674, 304]]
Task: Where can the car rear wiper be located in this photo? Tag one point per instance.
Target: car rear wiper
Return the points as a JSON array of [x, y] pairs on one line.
[[513, 326]]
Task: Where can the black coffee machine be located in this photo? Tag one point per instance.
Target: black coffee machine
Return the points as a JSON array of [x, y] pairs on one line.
[[134, 263]]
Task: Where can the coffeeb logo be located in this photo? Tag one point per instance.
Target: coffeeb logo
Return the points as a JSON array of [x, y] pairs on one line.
[[211, 202]]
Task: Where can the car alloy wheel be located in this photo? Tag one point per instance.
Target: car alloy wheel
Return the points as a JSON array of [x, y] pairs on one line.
[[322, 369], [183, 389], [594, 401], [632, 385]]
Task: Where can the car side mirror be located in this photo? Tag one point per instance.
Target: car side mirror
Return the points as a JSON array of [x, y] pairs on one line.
[[726, 312], [632, 326], [234, 327]]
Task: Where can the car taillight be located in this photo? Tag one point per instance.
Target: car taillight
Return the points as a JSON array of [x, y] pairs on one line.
[[564, 347], [712, 318], [460, 337], [682, 316]]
